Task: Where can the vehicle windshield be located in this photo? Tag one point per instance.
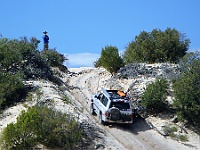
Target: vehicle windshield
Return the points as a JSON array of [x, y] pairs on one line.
[[120, 105]]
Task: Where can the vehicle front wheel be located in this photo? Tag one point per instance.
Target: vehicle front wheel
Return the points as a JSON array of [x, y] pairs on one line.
[[100, 119], [91, 109]]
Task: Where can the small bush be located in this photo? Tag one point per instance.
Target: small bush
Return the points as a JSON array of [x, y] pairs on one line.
[[24, 133], [170, 131], [41, 125], [11, 88], [183, 138], [66, 100]]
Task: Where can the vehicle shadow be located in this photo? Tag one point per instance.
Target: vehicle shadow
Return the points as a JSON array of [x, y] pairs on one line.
[[139, 125]]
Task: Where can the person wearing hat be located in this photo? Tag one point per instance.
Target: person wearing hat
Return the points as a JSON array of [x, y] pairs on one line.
[[46, 40]]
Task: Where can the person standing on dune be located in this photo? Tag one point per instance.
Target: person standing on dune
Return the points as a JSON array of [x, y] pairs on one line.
[[46, 40]]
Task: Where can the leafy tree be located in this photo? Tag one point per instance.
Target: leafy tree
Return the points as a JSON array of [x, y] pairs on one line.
[[110, 59], [157, 46], [155, 95], [186, 90]]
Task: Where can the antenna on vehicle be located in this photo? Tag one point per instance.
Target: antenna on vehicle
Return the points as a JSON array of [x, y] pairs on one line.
[[98, 86]]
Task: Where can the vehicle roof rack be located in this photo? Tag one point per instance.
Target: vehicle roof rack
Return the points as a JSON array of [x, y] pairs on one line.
[[115, 94]]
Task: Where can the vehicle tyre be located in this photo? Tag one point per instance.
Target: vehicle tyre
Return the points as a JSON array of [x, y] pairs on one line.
[[91, 109]]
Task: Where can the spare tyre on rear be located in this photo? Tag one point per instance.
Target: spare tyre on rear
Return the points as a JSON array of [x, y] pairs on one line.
[[114, 114]]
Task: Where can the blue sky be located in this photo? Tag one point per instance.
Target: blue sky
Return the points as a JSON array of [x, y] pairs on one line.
[[81, 28]]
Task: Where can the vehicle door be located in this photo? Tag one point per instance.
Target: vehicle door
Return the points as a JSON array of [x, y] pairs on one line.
[[97, 102], [103, 104]]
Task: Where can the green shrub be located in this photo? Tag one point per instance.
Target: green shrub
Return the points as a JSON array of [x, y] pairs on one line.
[[24, 133], [186, 91], [53, 58], [98, 63], [170, 131], [59, 130], [66, 100], [11, 88], [155, 95], [42, 125], [110, 59], [21, 55], [14, 53], [183, 138], [9, 55], [157, 46]]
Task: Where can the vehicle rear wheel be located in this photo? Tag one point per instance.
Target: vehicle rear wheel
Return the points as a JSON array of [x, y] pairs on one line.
[[91, 109]]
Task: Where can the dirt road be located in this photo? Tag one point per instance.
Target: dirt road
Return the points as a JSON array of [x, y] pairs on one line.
[[139, 135]]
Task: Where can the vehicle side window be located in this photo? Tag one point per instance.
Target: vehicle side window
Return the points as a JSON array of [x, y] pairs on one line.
[[120, 105], [104, 100], [100, 96]]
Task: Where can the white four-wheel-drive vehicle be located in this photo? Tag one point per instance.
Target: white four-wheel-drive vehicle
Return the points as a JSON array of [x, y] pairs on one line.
[[112, 106]]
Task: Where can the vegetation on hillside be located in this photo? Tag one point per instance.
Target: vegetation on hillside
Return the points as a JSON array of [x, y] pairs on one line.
[[149, 47], [19, 60], [187, 90]]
